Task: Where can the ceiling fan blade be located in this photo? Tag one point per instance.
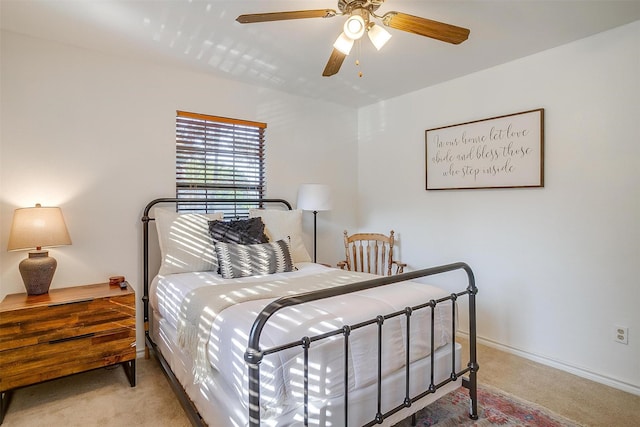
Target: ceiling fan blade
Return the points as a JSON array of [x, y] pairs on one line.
[[282, 16], [335, 62], [425, 27]]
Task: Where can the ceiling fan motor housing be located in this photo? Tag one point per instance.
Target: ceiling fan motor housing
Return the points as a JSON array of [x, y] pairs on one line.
[[348, 6]]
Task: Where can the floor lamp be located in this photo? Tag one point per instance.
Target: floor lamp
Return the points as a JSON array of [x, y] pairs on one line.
[[315, 198]]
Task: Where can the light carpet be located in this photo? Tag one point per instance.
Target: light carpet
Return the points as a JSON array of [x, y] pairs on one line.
[[101, 398]]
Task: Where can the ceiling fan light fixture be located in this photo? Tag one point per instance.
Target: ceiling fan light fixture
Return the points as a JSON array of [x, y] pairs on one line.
[[343, 44], [378, 36], [354, 27]]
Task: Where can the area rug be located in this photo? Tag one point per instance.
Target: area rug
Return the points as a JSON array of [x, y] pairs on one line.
[[494, 409]]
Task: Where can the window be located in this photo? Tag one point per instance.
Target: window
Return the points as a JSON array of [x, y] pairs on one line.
[[219, 157]]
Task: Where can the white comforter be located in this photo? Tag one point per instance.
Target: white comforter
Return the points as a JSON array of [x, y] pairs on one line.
[[281, 373]]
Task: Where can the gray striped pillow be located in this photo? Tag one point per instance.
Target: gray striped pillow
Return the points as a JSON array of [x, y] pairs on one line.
[[236, 260]]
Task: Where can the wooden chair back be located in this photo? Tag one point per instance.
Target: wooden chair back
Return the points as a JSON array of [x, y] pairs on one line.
[[370, 253]]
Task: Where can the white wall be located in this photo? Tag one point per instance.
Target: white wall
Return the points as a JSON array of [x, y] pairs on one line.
[[95, 134], [557, 266]]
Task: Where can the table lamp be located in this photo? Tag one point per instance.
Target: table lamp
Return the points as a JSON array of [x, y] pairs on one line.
[[314, 197], [35, 228]]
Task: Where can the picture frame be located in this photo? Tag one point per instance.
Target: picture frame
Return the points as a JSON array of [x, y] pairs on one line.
[[499, 152]]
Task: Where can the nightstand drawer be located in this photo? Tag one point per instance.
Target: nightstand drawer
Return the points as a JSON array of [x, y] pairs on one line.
[[28, 365], [32, 326]]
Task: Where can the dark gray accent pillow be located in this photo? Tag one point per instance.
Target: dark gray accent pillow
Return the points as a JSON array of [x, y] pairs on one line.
[[243, 231], [237, 260]]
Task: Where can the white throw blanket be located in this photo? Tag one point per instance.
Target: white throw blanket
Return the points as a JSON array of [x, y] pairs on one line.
[[201, 306]]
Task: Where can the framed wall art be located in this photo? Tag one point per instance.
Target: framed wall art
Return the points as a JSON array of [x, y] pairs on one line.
[[499, 152]]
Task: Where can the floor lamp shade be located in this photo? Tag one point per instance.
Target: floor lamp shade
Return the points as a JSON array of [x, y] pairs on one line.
[[314, 197], [35, 228]]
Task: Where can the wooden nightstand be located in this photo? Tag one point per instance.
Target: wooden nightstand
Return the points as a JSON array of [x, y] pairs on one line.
[[64, 332]]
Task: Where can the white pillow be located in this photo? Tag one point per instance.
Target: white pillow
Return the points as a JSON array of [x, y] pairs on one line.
[[279, 225], [185, 242]]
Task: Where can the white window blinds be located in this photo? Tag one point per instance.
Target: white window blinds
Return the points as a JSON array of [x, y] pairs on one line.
[[219, 157]]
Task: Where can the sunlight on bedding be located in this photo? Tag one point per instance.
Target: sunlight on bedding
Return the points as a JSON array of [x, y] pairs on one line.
[[213, 323], [189, 240], [185, 243]]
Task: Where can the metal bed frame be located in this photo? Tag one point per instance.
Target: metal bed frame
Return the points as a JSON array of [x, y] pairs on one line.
[[254, 354]]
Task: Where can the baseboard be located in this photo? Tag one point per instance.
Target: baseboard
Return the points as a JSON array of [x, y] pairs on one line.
[[563, 366]]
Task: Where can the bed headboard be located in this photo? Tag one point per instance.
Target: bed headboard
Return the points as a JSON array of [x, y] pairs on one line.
[[190, 203]]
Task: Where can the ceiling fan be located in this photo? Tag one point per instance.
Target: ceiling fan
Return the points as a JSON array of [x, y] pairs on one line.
[[361, 15]]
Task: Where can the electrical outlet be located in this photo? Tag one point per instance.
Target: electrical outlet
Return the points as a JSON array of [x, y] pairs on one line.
[[621, 334]]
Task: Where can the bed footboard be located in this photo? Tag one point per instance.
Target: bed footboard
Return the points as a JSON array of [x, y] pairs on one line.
[[254, 354]]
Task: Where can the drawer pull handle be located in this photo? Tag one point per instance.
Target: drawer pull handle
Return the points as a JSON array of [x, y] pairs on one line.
[[78, 337], [56, 304]]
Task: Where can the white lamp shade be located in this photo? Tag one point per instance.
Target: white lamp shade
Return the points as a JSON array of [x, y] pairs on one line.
[[343, 44], [378, 36], [38, 227], [314, 197], [354, 27]]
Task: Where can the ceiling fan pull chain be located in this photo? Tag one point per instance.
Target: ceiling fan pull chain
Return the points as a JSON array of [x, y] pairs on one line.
[[358, 52]]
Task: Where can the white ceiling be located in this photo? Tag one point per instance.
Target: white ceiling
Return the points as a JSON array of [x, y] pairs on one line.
[[203, 36]]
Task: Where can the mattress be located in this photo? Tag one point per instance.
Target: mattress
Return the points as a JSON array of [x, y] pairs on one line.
[[225, 380]]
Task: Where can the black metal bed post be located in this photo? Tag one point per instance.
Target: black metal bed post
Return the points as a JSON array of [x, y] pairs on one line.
[[380, 323], [407, 361], [473, 355], [145, 278], [346, 332]]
